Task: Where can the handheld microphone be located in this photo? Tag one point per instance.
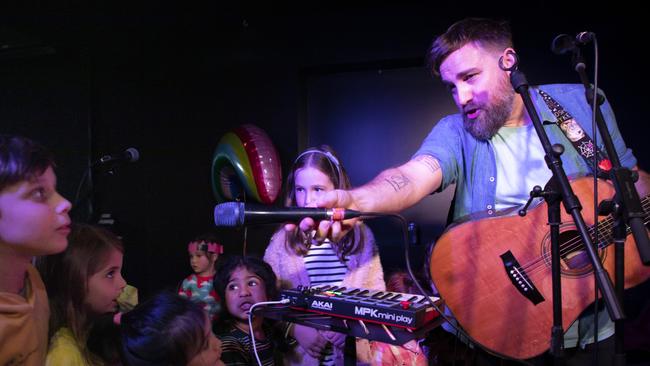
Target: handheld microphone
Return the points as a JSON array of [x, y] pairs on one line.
[[564, 43], [239, 213], [130, 155]]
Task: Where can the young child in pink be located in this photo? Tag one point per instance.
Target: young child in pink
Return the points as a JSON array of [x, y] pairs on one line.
[[204, 252]]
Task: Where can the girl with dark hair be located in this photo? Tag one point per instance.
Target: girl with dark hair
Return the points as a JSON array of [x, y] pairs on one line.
[[300, 260], [242, 281], [168, 330], [83, 283]]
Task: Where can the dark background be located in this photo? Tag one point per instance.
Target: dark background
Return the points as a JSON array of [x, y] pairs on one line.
[[170, 79]]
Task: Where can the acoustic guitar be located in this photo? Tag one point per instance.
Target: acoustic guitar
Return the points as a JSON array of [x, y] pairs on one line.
[[494, 274]]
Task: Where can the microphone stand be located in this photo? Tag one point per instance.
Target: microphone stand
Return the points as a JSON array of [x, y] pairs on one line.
[[84, 195], [626, 198], [626, 205], [559, 181]]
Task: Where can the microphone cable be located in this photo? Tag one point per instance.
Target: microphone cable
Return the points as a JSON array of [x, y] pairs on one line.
[[250, 323]]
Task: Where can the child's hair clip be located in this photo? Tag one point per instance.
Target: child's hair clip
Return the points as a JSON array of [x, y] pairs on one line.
[[207, 247]]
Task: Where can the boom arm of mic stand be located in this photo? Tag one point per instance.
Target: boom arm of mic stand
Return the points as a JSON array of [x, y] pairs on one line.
[[571, 202]]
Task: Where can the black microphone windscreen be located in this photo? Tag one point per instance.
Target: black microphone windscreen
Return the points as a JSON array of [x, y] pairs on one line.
[[563, 44], [585, 37], [132, 155], [229, 214]]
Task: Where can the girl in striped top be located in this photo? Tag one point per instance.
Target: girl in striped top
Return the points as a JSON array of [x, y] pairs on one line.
[[301, 260]]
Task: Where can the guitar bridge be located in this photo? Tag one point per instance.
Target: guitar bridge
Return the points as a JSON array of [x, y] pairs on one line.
[[519, 278]]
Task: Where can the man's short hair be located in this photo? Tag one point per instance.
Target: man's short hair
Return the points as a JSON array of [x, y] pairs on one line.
[[488, 33]]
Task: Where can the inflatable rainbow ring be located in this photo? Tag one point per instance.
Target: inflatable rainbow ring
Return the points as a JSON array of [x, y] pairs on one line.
[[245, 165]]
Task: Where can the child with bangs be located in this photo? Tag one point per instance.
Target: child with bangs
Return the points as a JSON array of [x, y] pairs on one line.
[[34, 221], [242, 281], [84, 284]]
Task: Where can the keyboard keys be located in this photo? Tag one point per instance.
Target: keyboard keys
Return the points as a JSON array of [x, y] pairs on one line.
[[395, 297]]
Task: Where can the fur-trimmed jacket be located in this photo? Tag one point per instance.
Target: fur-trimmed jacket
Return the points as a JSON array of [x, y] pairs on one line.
[[364, 270]]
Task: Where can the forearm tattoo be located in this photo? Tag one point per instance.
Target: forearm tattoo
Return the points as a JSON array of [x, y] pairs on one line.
[[431, 162], [397, 181]]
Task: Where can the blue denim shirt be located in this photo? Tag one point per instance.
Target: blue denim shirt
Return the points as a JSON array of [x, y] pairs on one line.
[[471, 164]]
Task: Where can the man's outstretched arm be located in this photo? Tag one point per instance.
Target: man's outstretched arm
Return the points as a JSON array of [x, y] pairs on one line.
[[393, 190]]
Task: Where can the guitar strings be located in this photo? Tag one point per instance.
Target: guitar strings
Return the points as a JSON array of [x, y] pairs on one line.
[[577, 242], [606, 238], [605, 232], [540, 264]]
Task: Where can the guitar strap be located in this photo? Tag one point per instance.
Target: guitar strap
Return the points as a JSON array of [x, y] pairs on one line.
[[583, 144]]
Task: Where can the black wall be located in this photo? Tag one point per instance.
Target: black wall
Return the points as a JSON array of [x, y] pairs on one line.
[[171, 79]]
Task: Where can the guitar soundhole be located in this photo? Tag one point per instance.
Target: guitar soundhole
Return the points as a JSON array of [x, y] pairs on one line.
[[574, 258]]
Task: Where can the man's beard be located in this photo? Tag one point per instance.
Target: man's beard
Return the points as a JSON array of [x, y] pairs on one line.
[[494, 115]]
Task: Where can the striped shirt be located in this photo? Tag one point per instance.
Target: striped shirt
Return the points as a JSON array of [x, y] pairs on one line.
[[323, 265], [237, 349], [325, 268]]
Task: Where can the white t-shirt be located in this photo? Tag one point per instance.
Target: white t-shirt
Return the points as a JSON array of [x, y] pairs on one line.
[[520, 165]]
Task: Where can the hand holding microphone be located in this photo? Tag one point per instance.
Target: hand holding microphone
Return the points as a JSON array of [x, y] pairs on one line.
[[334, 230], [333, 223]]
